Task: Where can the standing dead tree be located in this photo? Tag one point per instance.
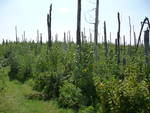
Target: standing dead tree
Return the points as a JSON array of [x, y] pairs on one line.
[[110, 37], [146, 44], [78, 34], [134, 37], [118, 39], [16, 34], [49, 27], [105, 40], [96, 28], [37, 40], [146, 21], [130, 36], [41, 38], [96, 22]]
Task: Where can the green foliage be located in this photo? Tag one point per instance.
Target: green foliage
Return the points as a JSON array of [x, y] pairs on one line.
[[70, 96], [76, 80], [83, 73], [48, 83], [124, 96], [20, 69]]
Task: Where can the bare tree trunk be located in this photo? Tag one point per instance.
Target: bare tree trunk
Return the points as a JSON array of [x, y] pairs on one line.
[[118, 38], [110, 37], [96, 22], [41, 38], [146, 42], [116, 46], [49, 27], [96, 29], [124, 44], [134, 37], [90, 36], [24, 35], [37, 40], [78, 35], [16, 34], [105, 39], [130, 36]]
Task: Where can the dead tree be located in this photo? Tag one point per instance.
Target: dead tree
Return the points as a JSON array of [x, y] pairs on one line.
[[118, 38], [134, 37], [130, 36], [139, 38], [65, 43], [37, 40], [96, 22], [16, 34], [96, 28], [41, 38], [110, 37], [78, 35], [24, 35], [105, 39], [90, 36], [56, 37], [124, 44], [49, 18], [146, 42], [116, 46]]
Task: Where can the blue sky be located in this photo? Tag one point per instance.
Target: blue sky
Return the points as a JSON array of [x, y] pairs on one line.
[[30, 15]]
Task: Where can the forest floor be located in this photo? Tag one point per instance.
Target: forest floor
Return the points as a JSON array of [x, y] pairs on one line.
[[14, 99]]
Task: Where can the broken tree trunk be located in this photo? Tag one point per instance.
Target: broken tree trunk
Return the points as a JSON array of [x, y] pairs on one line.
[[96, 29], [49, 16], [105, 39], [146, 42], [78, 35], [16, 34], [118, 38], [41, 38]]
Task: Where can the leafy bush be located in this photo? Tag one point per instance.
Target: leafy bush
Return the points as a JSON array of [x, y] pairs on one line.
[[48, 83], [83, 74], [70, 96], [124, 96], [20, 68]]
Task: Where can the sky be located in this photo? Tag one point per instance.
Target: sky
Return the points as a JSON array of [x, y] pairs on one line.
[[31, 15]]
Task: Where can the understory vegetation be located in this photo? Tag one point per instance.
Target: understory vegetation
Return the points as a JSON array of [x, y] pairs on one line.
[[71, 76]]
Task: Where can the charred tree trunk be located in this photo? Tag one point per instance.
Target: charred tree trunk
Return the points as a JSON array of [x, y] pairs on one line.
[[105, 39], [49, 27], [78, 35], [130, 36], [116, 47], [41, 38], [118, 38], [146, 42]]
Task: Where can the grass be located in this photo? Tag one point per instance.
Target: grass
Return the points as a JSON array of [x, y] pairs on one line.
[[14, 100]]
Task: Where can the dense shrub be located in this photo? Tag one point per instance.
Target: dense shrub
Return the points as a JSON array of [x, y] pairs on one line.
[[70, 96], [124, 96], [48, 83], [83, 74], [20, 68]]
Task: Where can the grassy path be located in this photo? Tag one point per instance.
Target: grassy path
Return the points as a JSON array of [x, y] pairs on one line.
[[14, 100]]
